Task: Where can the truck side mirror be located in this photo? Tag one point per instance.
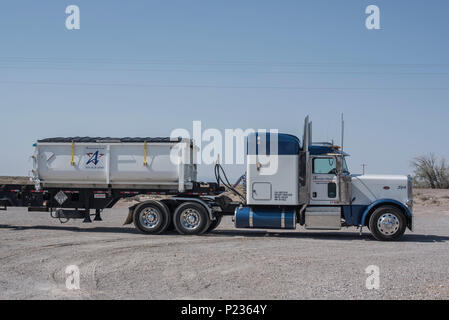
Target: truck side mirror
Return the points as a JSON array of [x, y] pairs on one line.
[[339, 167]]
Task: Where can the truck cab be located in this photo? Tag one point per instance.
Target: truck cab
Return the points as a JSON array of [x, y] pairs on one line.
[[313, 187]]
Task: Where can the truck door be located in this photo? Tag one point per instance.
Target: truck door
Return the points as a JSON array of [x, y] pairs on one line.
[[324, 180]]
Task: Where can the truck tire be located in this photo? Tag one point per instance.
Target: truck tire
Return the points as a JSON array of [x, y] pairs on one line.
[[151, 217], [171, 208], [214, 224], [191, 218], [387, 223]]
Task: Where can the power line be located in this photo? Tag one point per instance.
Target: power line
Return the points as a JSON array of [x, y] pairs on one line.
[[229, 71], [205, 86], [218, 62]]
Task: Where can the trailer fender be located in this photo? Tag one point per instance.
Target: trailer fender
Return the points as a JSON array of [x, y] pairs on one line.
[[408, 214]]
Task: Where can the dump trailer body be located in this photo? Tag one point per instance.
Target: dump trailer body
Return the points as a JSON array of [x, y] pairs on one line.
[[156, 163]]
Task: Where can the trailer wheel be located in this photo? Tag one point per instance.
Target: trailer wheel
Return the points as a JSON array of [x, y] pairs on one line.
[[191, 218], [387, 223], [151, 217], [214, 224]]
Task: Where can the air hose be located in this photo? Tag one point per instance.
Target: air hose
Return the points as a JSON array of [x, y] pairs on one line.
[[219, 169]]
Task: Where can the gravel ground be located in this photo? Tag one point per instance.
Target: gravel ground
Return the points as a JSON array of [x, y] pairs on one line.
[[119, 263]]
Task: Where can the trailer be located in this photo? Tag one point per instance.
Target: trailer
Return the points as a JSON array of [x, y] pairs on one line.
[[74, 176], [309, 185]]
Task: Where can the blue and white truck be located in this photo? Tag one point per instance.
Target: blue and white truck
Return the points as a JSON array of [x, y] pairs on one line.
[[310, 186]]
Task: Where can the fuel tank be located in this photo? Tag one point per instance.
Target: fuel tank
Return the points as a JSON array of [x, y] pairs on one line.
[[265, 218]]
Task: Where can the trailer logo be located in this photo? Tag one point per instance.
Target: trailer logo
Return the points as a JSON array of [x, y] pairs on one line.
[[95, 158]]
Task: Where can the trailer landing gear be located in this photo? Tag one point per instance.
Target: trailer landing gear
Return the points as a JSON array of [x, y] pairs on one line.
[[98, 215], [87, 209], [87, 217]]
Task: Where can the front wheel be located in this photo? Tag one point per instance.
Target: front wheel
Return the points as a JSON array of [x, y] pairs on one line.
[[387, 223]]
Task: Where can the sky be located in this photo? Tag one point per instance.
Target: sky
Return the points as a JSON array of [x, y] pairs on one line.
[[145, 68]]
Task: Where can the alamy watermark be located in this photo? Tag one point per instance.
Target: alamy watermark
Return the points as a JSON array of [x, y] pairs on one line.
[[72, 281], [211, 146], [73, 21], [372, 22], [373, 280]]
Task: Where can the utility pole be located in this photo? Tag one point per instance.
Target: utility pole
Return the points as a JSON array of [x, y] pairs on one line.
[[363, 168], [342, 131]]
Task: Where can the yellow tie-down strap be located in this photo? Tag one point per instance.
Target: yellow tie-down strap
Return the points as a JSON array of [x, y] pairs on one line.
[[73, 154], [145, 162]]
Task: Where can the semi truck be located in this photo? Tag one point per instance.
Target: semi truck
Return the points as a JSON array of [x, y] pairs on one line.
[[311, 186]]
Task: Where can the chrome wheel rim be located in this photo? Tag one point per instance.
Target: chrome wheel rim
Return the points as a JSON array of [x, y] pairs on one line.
[[150, 217], [190, 219], [388, 224]]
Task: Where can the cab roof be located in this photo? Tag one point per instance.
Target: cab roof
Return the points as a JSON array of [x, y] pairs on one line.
[[324, 148]]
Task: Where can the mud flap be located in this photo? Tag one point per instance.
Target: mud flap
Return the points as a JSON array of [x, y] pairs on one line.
[[129, 218], [4, 202]]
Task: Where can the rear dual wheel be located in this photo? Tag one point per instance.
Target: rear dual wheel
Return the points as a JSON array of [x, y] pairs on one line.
[[191, 218], [152, 217], [214, 224]]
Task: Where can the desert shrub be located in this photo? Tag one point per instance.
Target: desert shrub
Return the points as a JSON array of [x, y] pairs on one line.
[[431, 172]]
